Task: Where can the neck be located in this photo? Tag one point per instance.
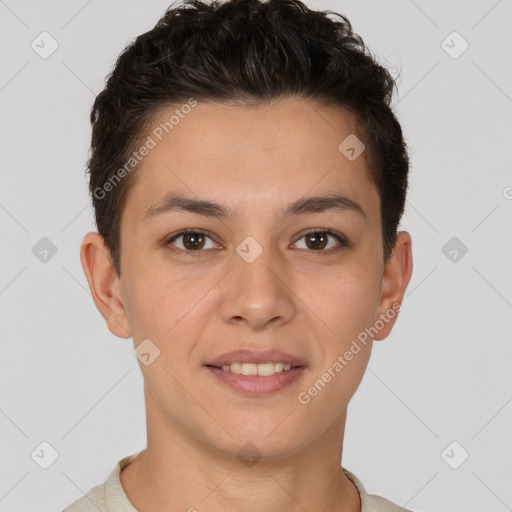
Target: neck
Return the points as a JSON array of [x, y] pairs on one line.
[[177, 472]]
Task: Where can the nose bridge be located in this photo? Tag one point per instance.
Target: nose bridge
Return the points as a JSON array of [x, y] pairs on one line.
[[256, 290], [257, 265]]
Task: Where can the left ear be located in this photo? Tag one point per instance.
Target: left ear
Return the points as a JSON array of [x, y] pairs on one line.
[[395, 279]]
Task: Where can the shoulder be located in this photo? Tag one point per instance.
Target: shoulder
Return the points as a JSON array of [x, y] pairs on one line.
[[372, 502], [93, 501], [380, 504], [108, 496]]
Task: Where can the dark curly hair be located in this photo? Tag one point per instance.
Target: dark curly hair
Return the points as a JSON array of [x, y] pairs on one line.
[[249, 53]]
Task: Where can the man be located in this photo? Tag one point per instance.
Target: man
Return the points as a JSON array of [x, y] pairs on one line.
[[248, 178]]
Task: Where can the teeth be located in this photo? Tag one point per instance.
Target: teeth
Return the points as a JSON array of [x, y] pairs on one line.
[[262, 369]]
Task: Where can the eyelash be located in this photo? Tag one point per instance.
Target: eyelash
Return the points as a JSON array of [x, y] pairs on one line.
[[339, 237]]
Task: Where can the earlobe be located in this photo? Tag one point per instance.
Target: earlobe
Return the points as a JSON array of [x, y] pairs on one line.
[[104, 283], [395, 280]]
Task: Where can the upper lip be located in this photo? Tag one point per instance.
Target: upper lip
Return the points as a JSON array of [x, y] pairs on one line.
[[251, 356]]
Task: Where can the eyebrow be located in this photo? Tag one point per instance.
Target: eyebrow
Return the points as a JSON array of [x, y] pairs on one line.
[[313, 204]]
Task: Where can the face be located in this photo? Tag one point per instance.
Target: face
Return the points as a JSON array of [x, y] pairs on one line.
[[253, 273]]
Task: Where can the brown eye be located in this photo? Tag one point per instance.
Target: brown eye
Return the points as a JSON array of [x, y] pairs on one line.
[[318, 241], [192, 241]]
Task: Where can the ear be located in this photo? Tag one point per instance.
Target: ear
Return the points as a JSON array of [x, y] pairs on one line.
[[395, 279], [104, 283]]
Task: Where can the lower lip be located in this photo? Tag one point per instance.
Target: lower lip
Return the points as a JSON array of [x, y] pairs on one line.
[[256, 385]]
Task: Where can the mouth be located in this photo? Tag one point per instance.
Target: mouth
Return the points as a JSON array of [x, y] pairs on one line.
[[256, 385], [256, 373], [260, 369]]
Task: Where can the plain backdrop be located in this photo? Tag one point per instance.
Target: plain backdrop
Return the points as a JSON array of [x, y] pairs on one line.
[[430, 426]]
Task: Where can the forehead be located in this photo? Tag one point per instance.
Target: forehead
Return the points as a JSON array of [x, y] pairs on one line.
[[291, 125], [263, 155]]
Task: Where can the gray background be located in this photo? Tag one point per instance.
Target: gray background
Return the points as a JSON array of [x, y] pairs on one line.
[[443, 375]]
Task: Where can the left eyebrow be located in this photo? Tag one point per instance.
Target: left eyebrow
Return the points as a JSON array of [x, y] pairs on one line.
[[313, 204]]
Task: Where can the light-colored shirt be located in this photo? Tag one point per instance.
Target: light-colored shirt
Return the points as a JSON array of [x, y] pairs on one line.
[[110, 496]]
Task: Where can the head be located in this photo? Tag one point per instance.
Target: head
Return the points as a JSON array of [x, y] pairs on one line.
[[235, 120]]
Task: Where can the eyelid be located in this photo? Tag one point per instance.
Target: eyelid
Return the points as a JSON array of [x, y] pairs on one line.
[[191, 230]]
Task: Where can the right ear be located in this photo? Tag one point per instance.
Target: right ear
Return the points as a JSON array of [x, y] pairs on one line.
[[104, 283]]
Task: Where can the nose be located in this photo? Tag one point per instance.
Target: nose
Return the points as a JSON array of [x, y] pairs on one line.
[[258, 293]]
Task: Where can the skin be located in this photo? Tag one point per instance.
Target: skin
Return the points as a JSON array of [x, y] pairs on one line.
[[293, 297]]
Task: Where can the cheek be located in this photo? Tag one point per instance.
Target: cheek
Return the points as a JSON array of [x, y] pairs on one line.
[[148, 301], [345, 300], [347, 306], [163, 304]]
